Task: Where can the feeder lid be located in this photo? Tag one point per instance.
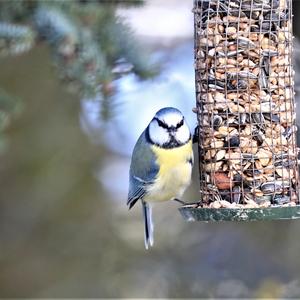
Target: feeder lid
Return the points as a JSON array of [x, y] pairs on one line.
[[192, 213]]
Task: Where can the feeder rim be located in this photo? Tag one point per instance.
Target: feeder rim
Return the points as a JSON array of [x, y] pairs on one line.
[[192, 213]]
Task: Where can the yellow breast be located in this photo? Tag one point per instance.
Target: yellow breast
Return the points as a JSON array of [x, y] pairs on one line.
[[174, 172]]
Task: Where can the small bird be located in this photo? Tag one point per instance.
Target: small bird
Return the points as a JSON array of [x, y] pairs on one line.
[[161, 164]]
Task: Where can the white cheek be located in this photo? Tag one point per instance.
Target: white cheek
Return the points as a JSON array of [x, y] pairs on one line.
[[183, 134], [157, 134]]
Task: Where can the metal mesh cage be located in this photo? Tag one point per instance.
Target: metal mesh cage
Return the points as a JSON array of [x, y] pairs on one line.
[[245, 103]]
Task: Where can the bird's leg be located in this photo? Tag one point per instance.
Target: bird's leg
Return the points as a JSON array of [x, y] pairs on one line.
[[180, 201]]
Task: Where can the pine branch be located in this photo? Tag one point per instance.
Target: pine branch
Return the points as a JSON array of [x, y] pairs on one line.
[[54, 26], [15, 39], [80, 60], [118, 41], [90, 46], [16, 10], [88, 69], [131, 49], [114, 2]]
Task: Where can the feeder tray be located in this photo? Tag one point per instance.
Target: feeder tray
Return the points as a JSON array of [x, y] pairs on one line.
[[191, 213], [244, 79]]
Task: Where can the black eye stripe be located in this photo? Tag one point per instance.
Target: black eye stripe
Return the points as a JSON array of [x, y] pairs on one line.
[[179, 124], [164, 125], [161, 123]]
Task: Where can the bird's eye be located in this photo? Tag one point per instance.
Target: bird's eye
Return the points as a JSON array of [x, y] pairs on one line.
[[161, 123], [179, 124]]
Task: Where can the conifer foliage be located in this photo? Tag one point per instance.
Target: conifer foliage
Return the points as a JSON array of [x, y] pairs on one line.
[[90, 45]]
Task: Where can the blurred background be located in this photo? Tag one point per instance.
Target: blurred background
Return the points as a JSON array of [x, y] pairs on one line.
[[79, 82]]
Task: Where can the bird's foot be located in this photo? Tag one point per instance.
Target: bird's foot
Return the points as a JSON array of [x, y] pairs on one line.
[[199, 203], [180, 201]]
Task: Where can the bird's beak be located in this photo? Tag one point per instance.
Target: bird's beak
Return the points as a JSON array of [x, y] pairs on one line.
[[172, 131]]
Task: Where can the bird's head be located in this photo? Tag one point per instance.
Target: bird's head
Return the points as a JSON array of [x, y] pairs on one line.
[[168, 129]]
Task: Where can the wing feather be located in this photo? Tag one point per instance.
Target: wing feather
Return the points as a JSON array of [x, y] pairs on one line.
[[143, 170]]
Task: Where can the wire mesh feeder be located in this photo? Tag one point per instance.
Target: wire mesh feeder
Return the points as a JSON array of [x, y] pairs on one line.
[[246, 111]]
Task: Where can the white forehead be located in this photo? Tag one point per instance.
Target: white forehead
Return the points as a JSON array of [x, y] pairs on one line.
[[171, 118]]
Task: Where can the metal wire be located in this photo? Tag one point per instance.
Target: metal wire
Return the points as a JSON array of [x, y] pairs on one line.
[[245, 103]]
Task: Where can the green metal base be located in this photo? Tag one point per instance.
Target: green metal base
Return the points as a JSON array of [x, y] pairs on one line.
[[190, 213]]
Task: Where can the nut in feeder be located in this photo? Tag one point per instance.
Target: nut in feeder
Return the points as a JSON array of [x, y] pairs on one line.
[[246, 111]]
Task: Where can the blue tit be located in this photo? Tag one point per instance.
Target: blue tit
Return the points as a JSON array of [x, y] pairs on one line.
[[161, 164]]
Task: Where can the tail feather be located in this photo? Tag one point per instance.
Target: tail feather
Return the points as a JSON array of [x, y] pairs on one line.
[[148, 233]]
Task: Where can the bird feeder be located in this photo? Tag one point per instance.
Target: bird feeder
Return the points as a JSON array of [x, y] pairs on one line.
[[248, 165]]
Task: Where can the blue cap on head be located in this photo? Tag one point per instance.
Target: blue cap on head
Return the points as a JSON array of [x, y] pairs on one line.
[[169, 115], [168, 110]]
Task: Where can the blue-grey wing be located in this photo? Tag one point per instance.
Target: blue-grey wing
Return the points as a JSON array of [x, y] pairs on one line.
[[143, 170]]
